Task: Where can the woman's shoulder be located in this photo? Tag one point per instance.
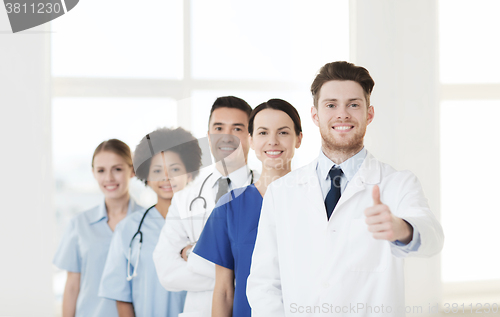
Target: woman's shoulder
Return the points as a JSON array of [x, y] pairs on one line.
[[235, 195], [231, 205], [126, 229], [87, 215], [98, 212], [134, 205], [132, 220]]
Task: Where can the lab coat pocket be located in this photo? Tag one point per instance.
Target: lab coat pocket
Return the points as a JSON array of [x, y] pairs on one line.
[[366, 254]]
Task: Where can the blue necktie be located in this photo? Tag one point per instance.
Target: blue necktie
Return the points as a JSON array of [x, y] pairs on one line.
[[333, 195]]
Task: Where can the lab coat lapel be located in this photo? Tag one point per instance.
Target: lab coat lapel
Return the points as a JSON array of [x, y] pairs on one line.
[[368, 173], [310, 187]]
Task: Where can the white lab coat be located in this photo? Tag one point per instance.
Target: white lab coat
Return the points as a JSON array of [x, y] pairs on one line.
[[305, 265], [197, 275]]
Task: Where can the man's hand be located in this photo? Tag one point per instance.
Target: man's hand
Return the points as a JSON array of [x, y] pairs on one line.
[[383, 224], [184, 251]]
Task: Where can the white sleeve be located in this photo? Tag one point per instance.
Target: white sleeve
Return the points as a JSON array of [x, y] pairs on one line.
[[199, 265], [414, 209], [264, 282], [172, 270]]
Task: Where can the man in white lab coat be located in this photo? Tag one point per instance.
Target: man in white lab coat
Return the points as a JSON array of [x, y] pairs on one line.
[[333, 234], [178, 269]]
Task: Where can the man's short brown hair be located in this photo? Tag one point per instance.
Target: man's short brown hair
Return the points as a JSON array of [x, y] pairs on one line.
[[343, 71]]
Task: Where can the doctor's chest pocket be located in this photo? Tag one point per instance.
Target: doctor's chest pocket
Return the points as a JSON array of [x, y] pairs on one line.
[[365, 253]]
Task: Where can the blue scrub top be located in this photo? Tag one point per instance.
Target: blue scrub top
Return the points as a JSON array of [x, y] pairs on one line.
[[228, 239], [144, 291], [83, 249]]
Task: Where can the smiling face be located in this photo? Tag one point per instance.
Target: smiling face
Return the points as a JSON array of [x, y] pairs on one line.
[[342, 116], [112, 173], [274, 140], [166, 182], [228, 134]]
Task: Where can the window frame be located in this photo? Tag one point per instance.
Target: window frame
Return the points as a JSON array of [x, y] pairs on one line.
[[178, 90], [484, 291]]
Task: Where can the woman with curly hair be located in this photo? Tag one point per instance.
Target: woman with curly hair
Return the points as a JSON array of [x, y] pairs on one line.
[[166, 160]]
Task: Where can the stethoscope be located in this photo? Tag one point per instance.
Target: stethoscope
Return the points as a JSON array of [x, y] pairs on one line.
[[205, 201], [203, 185], [139, 232]]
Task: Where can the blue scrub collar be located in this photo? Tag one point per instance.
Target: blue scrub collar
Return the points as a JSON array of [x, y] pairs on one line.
[[99, 213]]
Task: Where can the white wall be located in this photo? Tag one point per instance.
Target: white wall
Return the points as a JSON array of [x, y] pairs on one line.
[[26, 216], [397, 42]]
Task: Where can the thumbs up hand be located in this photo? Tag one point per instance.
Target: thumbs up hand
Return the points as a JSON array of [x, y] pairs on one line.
[[383, 224]]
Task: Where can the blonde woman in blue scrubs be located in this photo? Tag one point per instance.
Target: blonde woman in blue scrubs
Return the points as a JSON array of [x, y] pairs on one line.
[[130, 275], [228, 238], [84, 246]]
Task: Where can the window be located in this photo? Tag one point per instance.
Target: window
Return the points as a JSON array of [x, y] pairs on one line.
[[469, 53], [119, 39], [469, 190], [470, 84]]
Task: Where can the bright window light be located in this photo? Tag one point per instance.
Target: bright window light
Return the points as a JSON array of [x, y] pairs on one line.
[[267, 40], [470, 171], [468, 40], [119, 39]]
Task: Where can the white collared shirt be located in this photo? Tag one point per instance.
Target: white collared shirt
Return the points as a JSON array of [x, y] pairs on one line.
[[239, 178], [349, 168]]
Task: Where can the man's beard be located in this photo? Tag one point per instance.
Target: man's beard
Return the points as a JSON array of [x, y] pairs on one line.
[[349, 145]]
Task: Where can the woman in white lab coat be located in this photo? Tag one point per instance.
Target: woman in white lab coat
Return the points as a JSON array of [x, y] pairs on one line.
[[84, 246]]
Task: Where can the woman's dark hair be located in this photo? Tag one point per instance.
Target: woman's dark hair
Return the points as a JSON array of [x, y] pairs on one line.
[[116, 146], [277, 104], [177, 140]]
